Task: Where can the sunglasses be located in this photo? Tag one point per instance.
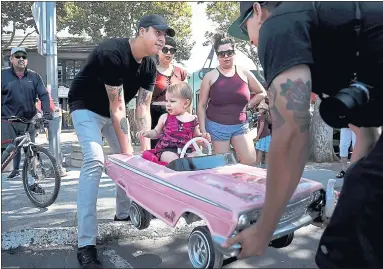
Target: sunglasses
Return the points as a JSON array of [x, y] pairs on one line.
[[222, 54], [243, 26], [20, 56], [166, 50]]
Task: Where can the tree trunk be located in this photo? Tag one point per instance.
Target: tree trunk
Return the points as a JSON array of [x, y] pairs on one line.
[[25, 37], [6, 45], [321, 140]]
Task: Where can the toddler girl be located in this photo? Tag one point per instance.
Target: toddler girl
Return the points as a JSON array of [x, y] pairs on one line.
[[176, 127]]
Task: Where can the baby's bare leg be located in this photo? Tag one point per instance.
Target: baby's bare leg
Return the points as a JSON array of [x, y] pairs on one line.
[[168, 156]]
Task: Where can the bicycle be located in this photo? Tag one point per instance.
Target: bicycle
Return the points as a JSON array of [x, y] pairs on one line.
[[33, 163]]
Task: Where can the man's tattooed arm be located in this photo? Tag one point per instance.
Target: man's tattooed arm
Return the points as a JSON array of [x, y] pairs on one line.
[[296, 94], [143, 118], [117, 112], [289, 97]]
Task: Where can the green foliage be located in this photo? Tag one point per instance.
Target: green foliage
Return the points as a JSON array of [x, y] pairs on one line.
[[17, 12], [222, 14], [106, 19], [119, 19]]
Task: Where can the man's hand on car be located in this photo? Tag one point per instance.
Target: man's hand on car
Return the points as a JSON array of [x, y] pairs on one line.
[[254, 241]]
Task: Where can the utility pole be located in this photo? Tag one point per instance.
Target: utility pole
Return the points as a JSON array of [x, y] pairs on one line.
[[45, 17], [52, 81]]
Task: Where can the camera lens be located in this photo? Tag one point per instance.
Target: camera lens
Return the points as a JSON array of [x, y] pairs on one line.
[[337, 111]]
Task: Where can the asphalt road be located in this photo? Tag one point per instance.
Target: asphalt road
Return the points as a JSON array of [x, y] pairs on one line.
[[163, 252]]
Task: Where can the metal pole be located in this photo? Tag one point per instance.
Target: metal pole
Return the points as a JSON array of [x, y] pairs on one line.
[[52, 80]]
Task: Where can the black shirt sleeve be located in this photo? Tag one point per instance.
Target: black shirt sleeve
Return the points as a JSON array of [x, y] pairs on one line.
[[284, 42], [149, 76], [111, 67]]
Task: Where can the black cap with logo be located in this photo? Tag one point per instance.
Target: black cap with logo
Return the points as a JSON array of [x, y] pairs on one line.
[[157, 22]]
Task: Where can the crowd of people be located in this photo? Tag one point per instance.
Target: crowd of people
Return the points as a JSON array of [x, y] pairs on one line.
[[292, 40]]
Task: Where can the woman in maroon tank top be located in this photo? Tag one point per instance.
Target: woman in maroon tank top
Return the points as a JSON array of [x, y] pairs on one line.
[[223, 100], [167, 73]]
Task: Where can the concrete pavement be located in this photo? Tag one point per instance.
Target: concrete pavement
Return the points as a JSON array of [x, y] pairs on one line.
[[38, 234]]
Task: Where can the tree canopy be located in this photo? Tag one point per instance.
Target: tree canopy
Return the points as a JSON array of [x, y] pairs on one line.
[[101, 20]]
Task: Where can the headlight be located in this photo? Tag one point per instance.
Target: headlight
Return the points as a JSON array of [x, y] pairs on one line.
[[316, 196], [243, 221]]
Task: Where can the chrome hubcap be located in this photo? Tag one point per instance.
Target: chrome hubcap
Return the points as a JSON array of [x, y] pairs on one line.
[[134, 216], [198, 251]]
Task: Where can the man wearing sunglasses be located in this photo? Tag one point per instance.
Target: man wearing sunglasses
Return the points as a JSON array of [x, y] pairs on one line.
[[322, 47], [20, 88]]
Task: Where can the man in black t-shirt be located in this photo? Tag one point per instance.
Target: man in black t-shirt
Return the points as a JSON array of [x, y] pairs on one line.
[[115, 71], [321, 47]]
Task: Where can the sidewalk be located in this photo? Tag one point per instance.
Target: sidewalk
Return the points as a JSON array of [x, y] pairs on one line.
[[24, 225]]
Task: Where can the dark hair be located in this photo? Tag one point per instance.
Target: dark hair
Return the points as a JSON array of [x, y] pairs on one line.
[[270, 5], [138, 30], [170, 41], [221, 38]]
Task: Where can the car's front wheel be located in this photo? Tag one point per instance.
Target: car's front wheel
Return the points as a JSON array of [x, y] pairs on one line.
[[282, 242]]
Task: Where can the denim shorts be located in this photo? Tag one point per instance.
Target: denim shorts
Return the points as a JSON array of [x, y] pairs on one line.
[[223, 132], [263, 144]]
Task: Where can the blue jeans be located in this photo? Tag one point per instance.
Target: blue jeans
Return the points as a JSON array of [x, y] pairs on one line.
[[90, 127]]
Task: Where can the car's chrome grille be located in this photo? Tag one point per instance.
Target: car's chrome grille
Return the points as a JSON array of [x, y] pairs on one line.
[[295, 210]]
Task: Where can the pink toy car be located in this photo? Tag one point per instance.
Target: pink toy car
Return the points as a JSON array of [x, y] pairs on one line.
[[227, 195]]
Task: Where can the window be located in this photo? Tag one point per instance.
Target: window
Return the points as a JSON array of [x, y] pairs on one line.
[[68, 69]]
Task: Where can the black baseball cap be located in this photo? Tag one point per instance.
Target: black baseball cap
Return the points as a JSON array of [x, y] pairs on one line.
[[157, 22], [244, 9]]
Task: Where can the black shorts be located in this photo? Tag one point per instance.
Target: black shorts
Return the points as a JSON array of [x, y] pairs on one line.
[[354, 236]]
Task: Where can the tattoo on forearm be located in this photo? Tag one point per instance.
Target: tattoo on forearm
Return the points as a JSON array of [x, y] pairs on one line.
[[276, 118], [124, 126], [144, 97], [297, 94], [142, 124]]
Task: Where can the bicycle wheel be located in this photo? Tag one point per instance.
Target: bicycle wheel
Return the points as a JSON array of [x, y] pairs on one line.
[[41, 175]]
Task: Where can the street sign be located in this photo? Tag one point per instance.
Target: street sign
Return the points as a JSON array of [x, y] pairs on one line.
[[63, 92], [39, 15]]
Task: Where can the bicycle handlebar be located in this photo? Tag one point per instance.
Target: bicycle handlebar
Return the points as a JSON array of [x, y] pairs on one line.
[[24, 120]]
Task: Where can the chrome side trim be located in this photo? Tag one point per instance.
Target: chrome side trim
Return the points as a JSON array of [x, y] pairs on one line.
[[164, 183]]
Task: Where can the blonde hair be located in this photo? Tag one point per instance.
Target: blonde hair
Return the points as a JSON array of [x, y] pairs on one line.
[[181, 89]]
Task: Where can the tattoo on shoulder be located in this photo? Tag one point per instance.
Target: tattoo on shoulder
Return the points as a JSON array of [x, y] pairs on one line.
[[111, 115], [276, 117], [297, 94], [144, 97], [124, 126], [120, 94]]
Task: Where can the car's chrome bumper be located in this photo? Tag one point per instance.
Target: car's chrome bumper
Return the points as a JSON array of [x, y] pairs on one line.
[[281, 231]]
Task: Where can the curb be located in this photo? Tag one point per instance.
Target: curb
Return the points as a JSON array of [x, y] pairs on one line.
[[106, 232]]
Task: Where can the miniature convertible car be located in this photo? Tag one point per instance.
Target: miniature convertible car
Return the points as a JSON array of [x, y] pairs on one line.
[[226, 195]]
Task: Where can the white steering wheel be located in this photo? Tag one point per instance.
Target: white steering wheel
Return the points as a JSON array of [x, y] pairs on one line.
[[197, 149]]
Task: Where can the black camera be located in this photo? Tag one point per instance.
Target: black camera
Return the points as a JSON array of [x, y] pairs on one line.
[[339, 110]]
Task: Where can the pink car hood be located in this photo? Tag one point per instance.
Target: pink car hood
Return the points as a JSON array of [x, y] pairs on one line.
[[236, 187]]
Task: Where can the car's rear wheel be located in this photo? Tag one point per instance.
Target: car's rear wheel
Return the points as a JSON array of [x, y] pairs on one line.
[[283, 241], [139, 217], [201, 250]]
